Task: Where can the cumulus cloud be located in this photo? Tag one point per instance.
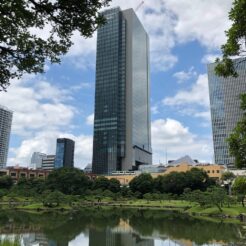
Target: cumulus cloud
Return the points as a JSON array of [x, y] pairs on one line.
[[183, 76], [204, 21], [197, 94], [37, 105], [171, 136], [90, 120]]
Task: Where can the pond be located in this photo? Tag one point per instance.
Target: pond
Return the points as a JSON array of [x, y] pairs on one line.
[[115, 227]]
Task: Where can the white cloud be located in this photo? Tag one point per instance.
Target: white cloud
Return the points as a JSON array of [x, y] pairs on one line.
[[154, 109], [204, 21], [183, 76], [210, 58], [198, 94], [171, 136], [90, 120], [37, 105]]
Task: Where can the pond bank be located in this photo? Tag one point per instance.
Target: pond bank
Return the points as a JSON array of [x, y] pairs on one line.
[[234, 214]]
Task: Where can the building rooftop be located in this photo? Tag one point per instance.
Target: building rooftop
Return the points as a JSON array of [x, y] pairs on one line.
[[185, 159]]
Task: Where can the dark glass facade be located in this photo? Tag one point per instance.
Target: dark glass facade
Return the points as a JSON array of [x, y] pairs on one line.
[[64, 153], [225, 108], [121, 97]]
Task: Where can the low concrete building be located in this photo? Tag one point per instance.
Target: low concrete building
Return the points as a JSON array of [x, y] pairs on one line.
[[23, 172], [124, 177], [238, 172], [183, 164], [213, 170]]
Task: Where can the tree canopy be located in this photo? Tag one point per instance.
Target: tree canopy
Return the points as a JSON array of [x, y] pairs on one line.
[[23, 50], [236, 41], [237, 139]]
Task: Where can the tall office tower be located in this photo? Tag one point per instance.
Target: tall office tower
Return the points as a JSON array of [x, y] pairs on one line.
[[5, 128], [122, 139], [225, 108], [64, 153], [36, 160]]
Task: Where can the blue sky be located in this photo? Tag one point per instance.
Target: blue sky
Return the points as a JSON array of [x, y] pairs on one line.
[[185, 35]]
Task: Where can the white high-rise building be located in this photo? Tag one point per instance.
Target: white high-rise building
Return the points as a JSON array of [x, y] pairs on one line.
[[36, 160], [5, 128]]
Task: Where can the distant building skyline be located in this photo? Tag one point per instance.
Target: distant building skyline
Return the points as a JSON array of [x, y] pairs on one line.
[[225, 108], [5, 130], [64, 153], [122, 138], [36, 160]]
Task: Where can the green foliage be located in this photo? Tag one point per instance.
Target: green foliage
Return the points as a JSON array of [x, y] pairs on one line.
[[53, 199], [227, 176], [101, 183], [177, 182], [70, 181], [114, 185], [6, 182], [214, 196], [237, 139], [147, 196], [239, 187], [142, 183], [24, 50], [29, 187], [236, 40]]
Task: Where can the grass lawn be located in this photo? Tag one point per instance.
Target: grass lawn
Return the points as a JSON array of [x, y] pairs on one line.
[[232, 211], [171, 203]]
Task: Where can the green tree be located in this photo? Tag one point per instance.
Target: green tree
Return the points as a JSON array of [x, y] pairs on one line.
[[239, 187], [22, 50], [53, 199], [6, 182], [217, 196], [70, 181], [226, 176], [147, 196], [101, 183], [236, 40], [114, 185], [237, 139], [142, 183]]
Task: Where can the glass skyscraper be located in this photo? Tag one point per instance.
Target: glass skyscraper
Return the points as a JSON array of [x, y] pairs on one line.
[[122, 139], [5, 128], [64, 153], [225, 108]]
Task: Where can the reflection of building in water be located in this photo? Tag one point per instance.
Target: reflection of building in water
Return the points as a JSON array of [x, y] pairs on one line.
[[37, 239], [106, 237], [31, 239]]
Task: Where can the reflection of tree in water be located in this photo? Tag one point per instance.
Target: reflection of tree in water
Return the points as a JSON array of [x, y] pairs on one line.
[[180, 226], [101, 223]]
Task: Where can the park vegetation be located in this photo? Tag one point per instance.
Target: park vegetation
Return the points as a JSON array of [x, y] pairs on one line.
[[70, 186]]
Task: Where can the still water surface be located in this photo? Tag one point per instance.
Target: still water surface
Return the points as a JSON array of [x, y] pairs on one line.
[[117, 227]]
